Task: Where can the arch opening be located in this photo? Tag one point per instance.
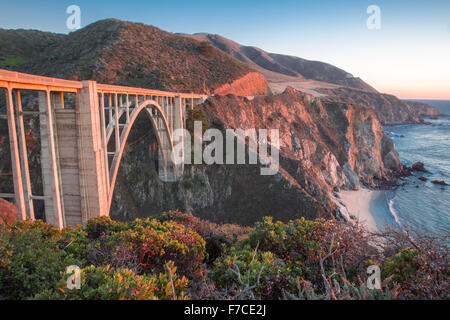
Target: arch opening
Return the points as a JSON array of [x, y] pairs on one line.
[[161, 141]]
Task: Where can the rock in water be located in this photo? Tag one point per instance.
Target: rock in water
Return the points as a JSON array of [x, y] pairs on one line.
[[392, 161], [439, 182], [419, 166]]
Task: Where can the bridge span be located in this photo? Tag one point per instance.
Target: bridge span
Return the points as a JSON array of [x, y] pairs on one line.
[[82, 146]]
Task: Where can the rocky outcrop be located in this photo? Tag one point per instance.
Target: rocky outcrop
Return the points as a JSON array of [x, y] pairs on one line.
[[389, 109], [251, 84], [420, 167], [324, 145], [424, 110]]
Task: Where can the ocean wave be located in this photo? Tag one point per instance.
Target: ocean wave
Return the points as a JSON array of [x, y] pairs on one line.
[[393, 212]]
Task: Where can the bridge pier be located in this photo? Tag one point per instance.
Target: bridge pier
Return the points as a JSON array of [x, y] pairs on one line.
[[49, 164], [19, 196], [91, 154]]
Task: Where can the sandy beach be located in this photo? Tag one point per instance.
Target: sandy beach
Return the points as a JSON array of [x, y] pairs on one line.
[[370, 207]]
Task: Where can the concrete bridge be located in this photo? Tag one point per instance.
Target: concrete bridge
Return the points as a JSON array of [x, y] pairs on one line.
[[81, 147]]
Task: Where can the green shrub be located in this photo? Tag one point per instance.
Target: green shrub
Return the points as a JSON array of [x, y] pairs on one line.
[[302, 244], [75, 241], [99, 226], [31, 259], [156, 242], [252, 274], [145, 245], [105, 283], [308, 250], [402, 266], [216, 236], [193, 115]]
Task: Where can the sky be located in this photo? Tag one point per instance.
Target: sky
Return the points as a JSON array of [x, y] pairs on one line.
[[409, 55]]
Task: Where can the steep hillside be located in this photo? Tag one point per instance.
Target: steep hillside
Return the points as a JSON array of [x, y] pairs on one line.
[[274, 66], [20, 46], [117, 52]]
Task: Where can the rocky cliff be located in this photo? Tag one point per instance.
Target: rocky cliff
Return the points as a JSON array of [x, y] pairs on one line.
[[323, 145], [252, 83], [389, 109], [424, 110]]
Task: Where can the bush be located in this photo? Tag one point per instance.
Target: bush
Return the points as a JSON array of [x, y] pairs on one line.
[[31, 259], [100, 226], [418, 263], [156, 242], [145, 245], [249, 273], [307, 246], [75, 241], [105, 283], [205, 228], [216, 236], [33, 255]]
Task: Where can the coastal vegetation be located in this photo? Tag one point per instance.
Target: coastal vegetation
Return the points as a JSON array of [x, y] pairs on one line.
[[178, 256]]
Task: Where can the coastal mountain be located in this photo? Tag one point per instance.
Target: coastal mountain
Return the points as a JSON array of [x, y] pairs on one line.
[[320, 79], [277, 66], [124, 53], [326, 144]]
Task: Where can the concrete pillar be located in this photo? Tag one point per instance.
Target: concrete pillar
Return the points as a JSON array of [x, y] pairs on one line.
[[179, 123], [49, 165], [15, 161], [24, 157], [91, 154], [104, 139]]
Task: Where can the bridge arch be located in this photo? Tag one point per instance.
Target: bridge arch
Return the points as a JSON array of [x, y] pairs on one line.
[[163, 137]]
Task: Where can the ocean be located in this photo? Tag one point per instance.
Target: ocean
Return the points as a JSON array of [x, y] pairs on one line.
[[417, 204]]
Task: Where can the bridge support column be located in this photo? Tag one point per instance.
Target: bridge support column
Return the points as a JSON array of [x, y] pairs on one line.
[[91, 154], [15, 160], [179, 122], [49, 165]]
